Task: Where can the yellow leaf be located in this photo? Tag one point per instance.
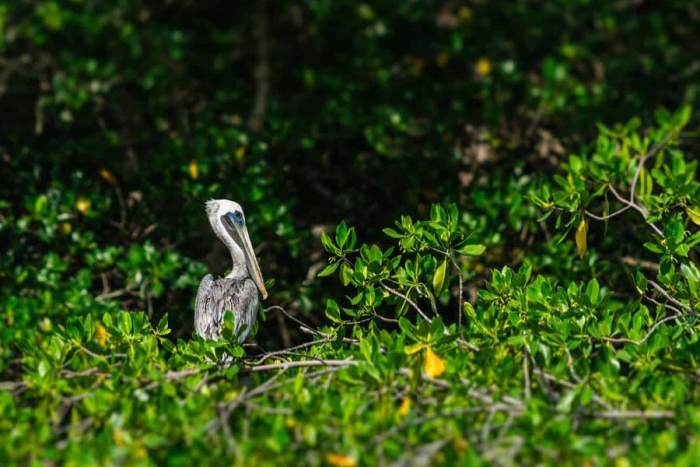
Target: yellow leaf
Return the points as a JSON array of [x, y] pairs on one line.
[[405, 406], [694, 214], [109, 178], [340, 460], [83, 205], [483, 67], [66, 228], [101, 335], [581, 233], [464, 14], [194, 169], [117, 437], [433, 366], [442, 59], [240, 152]]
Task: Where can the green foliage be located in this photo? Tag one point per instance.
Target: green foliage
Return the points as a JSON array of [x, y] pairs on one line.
[[525, 308]]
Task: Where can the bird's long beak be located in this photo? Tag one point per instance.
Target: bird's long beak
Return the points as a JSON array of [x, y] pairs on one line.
[[252, 264]]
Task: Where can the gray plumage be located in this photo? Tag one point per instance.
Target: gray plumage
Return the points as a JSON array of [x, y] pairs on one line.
[[237, 292], [215, 297]]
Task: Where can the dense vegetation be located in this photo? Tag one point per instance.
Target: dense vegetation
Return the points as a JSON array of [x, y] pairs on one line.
[[478, 221]]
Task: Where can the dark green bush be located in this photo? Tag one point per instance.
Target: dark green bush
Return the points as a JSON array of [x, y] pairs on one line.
[[490, 297]]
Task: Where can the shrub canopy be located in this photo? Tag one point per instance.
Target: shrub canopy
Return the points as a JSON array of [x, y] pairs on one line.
[[478, 222]]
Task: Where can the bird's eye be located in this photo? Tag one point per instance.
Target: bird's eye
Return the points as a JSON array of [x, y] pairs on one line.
[[238, 215]]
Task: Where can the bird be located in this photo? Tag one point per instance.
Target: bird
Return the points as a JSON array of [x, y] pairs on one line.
[[238, 291]]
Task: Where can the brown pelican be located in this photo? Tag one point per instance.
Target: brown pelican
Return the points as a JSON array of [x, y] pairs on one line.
[[235, 292]]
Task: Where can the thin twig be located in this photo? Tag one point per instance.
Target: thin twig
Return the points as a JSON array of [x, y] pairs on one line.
[[668, 297], [408, 300], [652, 152], [296, 364], [526, 373], [621, 340]]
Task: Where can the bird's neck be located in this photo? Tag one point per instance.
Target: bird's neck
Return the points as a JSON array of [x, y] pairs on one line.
[[238, 268]]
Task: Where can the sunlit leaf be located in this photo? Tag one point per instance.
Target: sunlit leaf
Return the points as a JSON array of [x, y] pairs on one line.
[[413, 349], [693, 214], [483, 67], [341, 234], [340, 460], [83, 205], [690, 271], [392, 233], [332, 311], [108, 177], [194, 169], [581, 233], [405, 406], [328, 270], [472, 250], [240, 152], [433, 366], [101, 335], [440, 279]]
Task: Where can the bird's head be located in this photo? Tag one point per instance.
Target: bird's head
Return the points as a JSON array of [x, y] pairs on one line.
[[229, 215]]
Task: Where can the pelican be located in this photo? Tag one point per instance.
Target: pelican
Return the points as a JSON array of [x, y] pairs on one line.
[[237, 291]]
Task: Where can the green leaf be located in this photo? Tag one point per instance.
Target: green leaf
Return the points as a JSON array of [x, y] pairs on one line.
[[163, 325], [414, 348], [366, 349], [690, 271], [168, 345], [333, 311], [641, 282], [352, 240], [653, 247], [437, 330], [565, 402], [328, 244], [472, 250], [341, 234], [440, 279], [593, 290], [345, 274], [409, 329], [392, 233], [693, 213], [124, 322], [328, 270]]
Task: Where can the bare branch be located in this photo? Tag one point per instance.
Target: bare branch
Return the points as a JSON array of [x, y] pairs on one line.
[[669, 298], [408, 300], [621, 340]]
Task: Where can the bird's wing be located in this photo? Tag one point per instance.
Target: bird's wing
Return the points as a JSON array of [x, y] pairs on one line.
[[247, 310], [216, 297], [206, 322]]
